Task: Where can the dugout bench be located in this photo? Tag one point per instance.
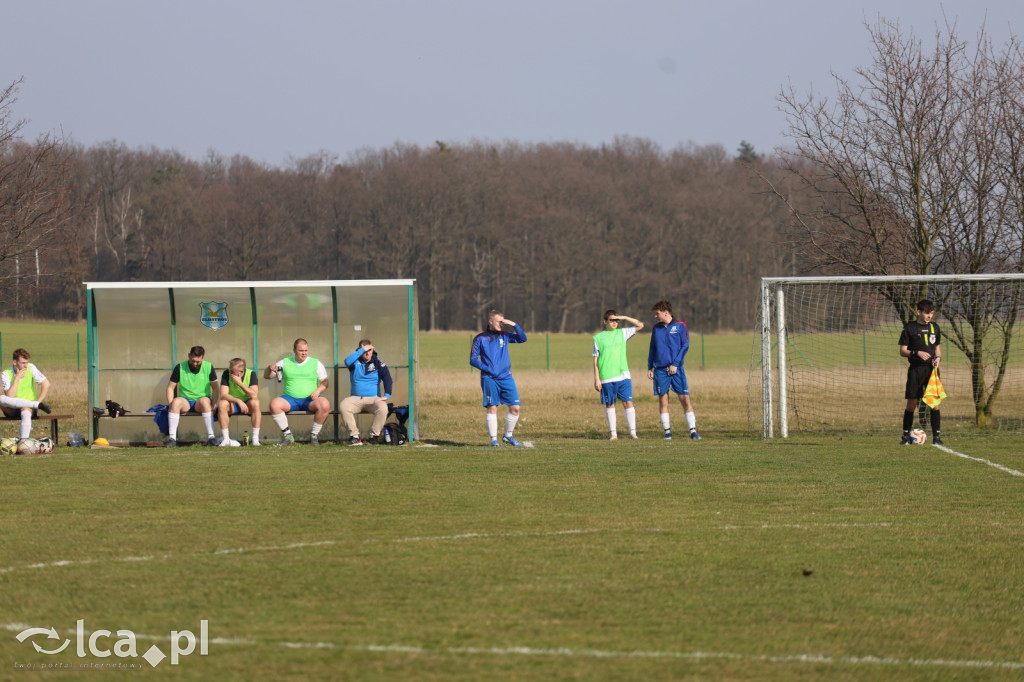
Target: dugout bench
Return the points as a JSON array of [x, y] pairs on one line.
[[99, 414], [54, 420]]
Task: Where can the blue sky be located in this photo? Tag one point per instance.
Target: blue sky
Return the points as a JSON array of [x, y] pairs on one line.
[[282, 80]]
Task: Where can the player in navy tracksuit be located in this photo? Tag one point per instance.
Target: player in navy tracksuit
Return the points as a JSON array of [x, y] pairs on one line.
[[670, 339], [490, 355]]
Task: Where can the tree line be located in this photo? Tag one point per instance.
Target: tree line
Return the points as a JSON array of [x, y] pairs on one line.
[[551, 234]]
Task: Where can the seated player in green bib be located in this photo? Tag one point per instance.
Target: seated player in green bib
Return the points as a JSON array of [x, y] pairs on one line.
[[239, 388], [192, 388], [24, 391], [305, 380]]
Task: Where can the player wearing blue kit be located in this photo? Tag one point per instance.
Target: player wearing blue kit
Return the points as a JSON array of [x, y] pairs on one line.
[[611, 369], [489, 354], [670, 339]]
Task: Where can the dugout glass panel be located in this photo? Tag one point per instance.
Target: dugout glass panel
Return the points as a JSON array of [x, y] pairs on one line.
[[133, 328], [380, 314], [139, 331]]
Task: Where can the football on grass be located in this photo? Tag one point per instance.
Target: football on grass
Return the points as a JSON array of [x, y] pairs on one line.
[[918, 437]]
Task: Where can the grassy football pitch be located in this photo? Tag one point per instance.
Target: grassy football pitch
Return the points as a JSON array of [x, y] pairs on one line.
[[813, 558]]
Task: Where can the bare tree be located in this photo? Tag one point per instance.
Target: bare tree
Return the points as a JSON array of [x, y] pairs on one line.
[[913, 169], [35, 192]]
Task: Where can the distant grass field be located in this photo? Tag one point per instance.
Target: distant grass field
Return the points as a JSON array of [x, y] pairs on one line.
[[53, 344], [816, 557], [450, 350]]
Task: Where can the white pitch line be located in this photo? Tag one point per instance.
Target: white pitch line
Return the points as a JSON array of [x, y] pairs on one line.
[[598, 653], [1012, 472], [804, 526], [293, 546], [566, 652], [425, 538]]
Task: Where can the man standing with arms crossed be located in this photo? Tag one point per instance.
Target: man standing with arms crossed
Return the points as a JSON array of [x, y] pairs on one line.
[[670, 340], [611, 369], [489, 354]]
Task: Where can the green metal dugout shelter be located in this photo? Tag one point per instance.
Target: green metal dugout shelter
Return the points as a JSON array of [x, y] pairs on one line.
[[138, 332]]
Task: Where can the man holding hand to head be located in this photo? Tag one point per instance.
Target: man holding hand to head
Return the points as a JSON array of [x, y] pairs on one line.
[[367, 373]]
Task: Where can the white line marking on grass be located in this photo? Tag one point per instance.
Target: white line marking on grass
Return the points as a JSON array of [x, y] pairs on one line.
[[525, 533], [297, 545], [566, 652], [227, 551], [770, 526], [1012, 472], [597, 653]]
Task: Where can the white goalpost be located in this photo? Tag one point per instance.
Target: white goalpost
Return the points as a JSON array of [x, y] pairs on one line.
[[828, 357]]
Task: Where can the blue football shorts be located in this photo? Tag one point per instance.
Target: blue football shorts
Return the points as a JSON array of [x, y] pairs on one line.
[[235, 409], [499, 391], [623, 390], [665, 382], [297, 404], [192, 405]]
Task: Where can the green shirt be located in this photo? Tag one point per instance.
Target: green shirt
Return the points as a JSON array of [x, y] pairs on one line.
[[27, 387], [610, 350], [193, 386], [235, 390], [299, 380]]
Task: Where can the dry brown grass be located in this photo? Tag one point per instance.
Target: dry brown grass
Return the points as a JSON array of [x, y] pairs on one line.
[[556, 403], [565, 404]]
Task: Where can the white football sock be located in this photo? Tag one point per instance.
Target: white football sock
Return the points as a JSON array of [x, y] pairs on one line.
[[492, 425], [510, 423], [208, 422], [631, 419]]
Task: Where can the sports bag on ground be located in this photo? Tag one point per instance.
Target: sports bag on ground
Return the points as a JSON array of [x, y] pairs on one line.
[[394, 433]]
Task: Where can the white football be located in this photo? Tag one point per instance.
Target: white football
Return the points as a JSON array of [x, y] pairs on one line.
[[918, 437], [34, 446]]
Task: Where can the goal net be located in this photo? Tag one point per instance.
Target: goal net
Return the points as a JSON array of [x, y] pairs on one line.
[[827, 358]]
